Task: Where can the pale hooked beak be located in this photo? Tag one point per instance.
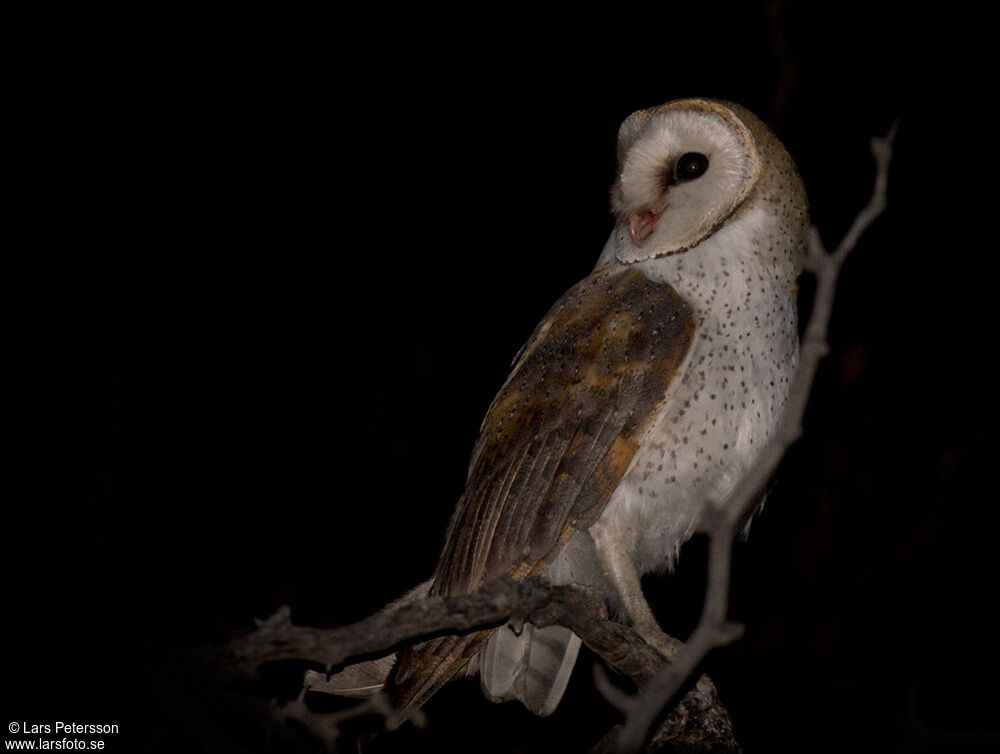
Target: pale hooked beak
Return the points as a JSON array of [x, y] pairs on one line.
[[641, 224]]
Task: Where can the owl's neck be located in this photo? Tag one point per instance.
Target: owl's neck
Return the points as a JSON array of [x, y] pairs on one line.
[[736, 263]]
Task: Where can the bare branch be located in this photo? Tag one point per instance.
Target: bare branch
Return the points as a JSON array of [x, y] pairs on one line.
[[401, 624], [326, 726], [700, 718], [722, 521]]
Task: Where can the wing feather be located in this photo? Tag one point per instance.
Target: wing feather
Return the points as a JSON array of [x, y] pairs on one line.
[[554, 445], [500, 493]]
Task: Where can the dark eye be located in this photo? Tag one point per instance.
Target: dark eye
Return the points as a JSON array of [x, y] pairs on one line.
[[691, 165]]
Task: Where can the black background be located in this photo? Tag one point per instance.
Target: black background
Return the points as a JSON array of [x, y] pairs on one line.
[[275, 270]]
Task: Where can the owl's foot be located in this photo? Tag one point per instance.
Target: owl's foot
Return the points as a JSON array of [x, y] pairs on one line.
[[655, 637]]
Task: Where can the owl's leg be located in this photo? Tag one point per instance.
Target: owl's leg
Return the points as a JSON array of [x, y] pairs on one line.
[[618, 567]]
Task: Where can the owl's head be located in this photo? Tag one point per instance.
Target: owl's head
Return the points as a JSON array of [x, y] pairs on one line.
[[687, 167]]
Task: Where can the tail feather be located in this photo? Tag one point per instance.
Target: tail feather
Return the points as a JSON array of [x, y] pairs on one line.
[[534, 667]]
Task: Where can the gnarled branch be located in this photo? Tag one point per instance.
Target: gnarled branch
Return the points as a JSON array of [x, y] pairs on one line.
[[498, 602]]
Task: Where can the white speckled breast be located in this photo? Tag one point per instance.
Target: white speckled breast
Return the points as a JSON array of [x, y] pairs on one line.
[[725, 404]]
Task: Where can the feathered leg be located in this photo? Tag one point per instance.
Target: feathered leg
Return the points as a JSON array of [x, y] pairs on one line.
[[620, 571]]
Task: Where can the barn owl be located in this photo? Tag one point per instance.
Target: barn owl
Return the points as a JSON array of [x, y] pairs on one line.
[[646, 390]]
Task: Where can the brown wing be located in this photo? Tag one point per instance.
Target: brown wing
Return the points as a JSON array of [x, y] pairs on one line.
[[554, 445]]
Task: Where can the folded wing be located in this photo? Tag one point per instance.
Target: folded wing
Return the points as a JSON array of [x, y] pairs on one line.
[[554, 445]]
